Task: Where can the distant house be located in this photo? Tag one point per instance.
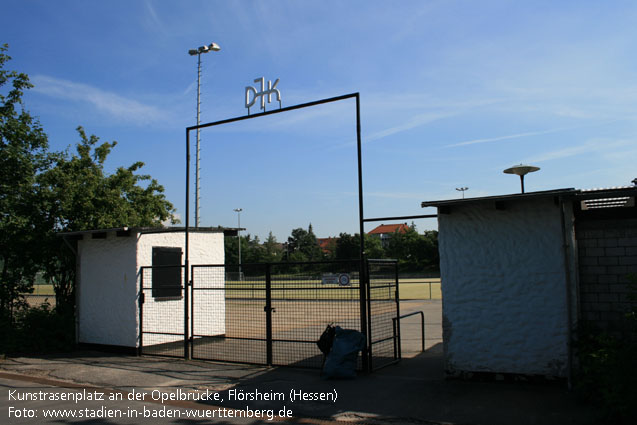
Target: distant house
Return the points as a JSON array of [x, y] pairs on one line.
[[385, 231], [327, 245]]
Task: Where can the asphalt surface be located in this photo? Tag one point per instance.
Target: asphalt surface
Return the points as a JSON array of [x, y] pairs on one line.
[[130, 390], [413, 391]]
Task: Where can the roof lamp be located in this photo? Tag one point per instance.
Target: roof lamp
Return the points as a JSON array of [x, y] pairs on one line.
[[521, 170]]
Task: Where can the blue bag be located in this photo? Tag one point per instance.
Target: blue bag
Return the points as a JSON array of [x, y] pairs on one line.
[[342, 359]]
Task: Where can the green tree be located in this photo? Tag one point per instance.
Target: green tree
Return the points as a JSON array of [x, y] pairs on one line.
[[302, 245], [23, 156], [78, 194], [251, 250], [414, 252], [231, 248], [273, 252], [44, 193], [348, 247], [431, 255]]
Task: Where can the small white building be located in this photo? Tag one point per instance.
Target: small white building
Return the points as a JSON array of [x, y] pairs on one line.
[[108, 289], [511, 269]]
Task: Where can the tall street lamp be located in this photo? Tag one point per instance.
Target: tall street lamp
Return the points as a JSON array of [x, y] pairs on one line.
[[203, 49], [238, 211], [462, 189]]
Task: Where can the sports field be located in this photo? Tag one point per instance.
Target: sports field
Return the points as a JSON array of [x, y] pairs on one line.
[[419, 289], [409, 289]]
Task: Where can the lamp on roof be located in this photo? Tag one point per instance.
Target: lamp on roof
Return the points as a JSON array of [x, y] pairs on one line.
[[521, 170]]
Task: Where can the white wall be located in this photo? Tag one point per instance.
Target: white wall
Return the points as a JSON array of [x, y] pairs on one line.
[[209, 306], [108, 290], [504, 288]]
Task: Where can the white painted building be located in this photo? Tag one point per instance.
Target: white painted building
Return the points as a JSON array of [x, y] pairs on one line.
[[511, 275], [108, 285]]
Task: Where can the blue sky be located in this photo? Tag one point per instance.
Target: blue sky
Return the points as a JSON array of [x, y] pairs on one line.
[[452, 93]]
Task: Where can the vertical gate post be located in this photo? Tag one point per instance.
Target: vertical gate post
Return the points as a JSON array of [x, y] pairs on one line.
[[187, 244], [186, 318], [362, 274], [192, 313], [397, 335], [368, 306], [140, 302], [268, 313]]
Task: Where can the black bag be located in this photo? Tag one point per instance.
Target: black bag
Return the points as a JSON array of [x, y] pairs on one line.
[[326, 340]]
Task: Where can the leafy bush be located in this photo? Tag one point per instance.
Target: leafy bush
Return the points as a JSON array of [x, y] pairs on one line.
[[608, 367], [37, 330]]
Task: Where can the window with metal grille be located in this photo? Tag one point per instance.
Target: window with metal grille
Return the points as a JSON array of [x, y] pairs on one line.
[[166, 279]]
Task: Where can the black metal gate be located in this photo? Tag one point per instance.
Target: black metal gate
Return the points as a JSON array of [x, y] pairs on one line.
[[383, 306], [273, 314]]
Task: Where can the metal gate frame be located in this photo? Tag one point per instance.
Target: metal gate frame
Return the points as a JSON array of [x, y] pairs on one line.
[[383, 307], [380, 306], [275, 315], [364, 278]]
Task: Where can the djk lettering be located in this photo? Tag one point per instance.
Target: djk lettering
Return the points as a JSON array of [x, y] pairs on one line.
[[262, 94]]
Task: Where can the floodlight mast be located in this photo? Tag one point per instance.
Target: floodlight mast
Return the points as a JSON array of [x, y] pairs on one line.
[[238, 211], [521, 170], [214, 47], [462, 189]]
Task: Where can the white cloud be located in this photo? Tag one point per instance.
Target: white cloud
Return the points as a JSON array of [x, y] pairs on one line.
[[408, 105], [507, 137], [600, 146], [414, 122], [111, 104]]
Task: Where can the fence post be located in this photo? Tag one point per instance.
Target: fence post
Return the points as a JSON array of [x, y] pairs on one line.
[[141, 311], [192, 313], [186, 308], [268, 313], [397, 335], [365, 314]]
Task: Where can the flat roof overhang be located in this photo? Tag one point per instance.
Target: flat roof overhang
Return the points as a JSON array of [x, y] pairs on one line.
[[125, 231]]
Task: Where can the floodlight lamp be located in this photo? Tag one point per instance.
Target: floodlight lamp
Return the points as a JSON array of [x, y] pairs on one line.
[[214, 46], [192, 52]]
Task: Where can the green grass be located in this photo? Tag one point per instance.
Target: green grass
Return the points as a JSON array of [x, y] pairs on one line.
[[43, 290], [410, 289], [419, 289]]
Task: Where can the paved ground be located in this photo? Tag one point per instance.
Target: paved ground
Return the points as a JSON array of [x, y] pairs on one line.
[[414, 391], [411, 392]]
